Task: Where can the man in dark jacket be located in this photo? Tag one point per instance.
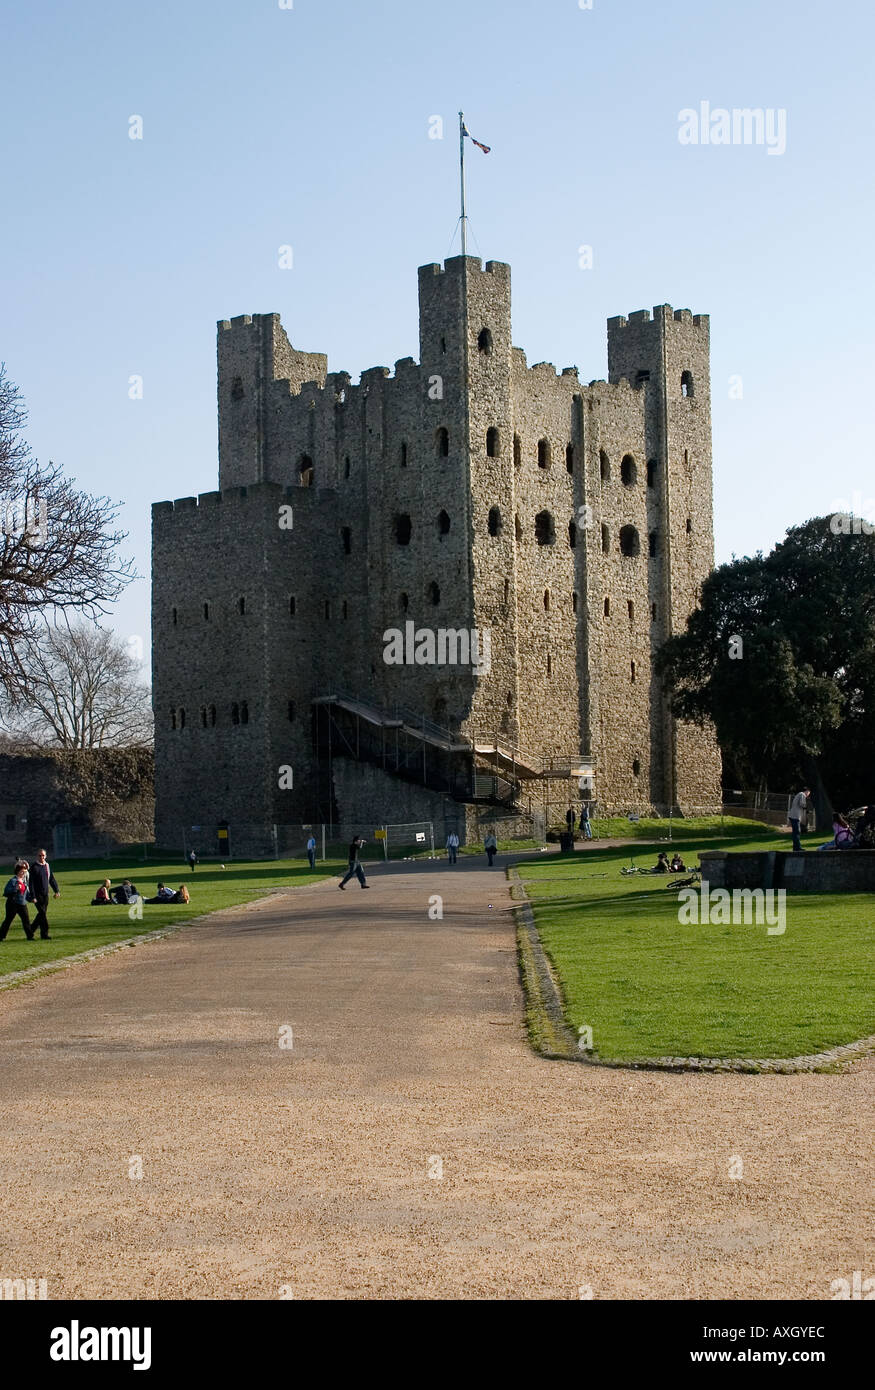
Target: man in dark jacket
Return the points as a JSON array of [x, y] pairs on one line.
[[355, 867], [41, 881], [15, 894]]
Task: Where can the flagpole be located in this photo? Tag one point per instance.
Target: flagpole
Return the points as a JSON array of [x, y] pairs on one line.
[[462, 182]]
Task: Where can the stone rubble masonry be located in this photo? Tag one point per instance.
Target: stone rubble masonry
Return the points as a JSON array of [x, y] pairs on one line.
[[561, 679]]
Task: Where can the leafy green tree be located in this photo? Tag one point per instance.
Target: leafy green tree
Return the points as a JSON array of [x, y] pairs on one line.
[[780, 656]]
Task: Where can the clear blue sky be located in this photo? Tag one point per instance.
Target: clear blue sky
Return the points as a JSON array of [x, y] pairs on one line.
[[309, 127]]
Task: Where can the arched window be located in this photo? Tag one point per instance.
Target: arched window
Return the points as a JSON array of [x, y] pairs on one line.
[[628, 471], [607, 607], [405, 602], [443, 524], [569, 458], [572, 534], [546, 600], [686, 383], [651, 472], [442, 443], [404, 455], [604, 466], [402, 527], [293, 606], [492, 443], [518, 528], [434, 594], [494, 522], [291, 711], [241, 605], [484, 341], [636, 767], [517, 451], [305, 470], [606, 540], [630, 609], [543, 453], [346, 538], [630, 543], [544, 528]]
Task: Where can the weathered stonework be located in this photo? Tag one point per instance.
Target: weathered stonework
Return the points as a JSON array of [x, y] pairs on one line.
[[361, 463]]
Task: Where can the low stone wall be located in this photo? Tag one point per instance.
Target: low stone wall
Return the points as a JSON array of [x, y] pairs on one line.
[[827, 871]]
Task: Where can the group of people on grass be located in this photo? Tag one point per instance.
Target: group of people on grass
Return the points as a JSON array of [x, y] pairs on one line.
[[30, 883], [126, 893], [860, 835], [35, 883]]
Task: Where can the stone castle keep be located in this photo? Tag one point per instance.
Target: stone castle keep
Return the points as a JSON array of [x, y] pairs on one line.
[[571, 523]]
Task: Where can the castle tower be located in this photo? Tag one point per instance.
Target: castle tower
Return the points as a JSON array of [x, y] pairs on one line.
[[667, 359]]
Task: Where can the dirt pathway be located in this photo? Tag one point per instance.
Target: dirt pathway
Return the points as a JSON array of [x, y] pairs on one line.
[[408, 1143]]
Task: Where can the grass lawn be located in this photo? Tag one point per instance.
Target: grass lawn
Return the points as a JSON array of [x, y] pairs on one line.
[[75, 926], [650, 987]]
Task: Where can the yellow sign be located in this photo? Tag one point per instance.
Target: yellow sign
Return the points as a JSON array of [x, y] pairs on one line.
[[379, 834]]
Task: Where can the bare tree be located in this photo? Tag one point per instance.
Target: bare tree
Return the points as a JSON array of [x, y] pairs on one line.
[[81, 691], [58, 546]]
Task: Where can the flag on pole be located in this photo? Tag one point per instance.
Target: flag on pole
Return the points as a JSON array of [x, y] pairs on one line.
[[484, 148]]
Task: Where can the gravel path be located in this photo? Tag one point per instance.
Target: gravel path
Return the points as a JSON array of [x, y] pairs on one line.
[[409, 1144]]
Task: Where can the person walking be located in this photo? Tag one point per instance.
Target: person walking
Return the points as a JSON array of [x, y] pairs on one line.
[[584, 821], [311, 851], [490, 844], [798, 809], [192, 860], [15, 894], [42, 881], [452, 846], [355, 867]]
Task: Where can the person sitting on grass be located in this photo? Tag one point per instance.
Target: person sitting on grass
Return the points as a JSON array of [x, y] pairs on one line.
[[163, 895], [677, 864], [181, 895], [103, 894], [842, 834], [661, 866], [125, 894]]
